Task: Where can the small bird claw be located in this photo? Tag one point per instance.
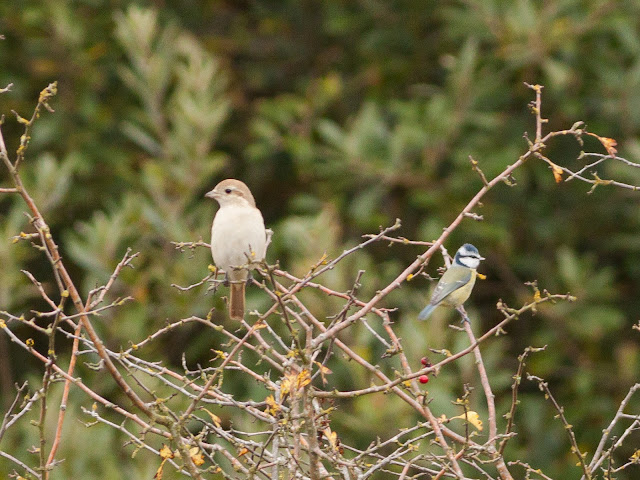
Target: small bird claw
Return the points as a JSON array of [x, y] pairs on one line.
[[463, 314]]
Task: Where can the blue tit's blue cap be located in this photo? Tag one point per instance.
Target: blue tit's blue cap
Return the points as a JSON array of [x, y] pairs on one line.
[[468, 250]]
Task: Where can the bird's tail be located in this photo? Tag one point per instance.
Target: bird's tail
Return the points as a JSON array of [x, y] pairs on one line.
[[236, 300], [426, 311]]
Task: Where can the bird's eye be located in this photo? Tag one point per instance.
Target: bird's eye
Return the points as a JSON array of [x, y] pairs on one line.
[[227, 190]]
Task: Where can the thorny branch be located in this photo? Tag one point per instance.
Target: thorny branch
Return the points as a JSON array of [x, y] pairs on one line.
[[288, 350], [544, 387]]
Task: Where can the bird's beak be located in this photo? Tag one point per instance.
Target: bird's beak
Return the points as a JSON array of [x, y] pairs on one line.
[[211, 194], [482, 258]]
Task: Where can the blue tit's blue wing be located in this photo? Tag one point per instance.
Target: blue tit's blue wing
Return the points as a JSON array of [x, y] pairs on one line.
[[454, 278]]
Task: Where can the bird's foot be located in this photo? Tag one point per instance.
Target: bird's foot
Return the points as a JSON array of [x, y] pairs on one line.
[[463, 314]]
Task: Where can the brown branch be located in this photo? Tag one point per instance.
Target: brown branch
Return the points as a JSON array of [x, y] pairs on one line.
[[530, 469], [422, 409], [14, 403], [598, 456], [490, 397], [536, 108], [65, 397], [424, 257], [484, 378], [78, 383], [544, 387], [55, 259], [517, 380], [510, 315], [21, 464]]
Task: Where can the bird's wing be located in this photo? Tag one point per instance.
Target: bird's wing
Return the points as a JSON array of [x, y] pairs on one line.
[[446, 286]]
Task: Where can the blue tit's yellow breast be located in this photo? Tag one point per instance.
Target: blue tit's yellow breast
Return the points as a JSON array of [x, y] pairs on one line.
[[459, 296]]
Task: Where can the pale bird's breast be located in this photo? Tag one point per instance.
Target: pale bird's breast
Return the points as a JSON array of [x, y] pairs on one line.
[[458, 297], [238, 238]]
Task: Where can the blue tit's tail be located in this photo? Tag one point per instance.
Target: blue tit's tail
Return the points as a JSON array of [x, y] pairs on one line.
[[426, 311]]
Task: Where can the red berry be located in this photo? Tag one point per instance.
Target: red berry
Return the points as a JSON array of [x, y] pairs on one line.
[[425, 362], [423, 378]]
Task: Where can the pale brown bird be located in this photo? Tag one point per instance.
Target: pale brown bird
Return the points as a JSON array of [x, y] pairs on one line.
[[238, 238]]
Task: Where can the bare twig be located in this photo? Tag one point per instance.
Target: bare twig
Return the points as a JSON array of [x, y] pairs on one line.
[[544, 387], [5, 420], [517, 380]]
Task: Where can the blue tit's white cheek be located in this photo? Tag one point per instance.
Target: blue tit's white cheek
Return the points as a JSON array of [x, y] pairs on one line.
[[469, 262]]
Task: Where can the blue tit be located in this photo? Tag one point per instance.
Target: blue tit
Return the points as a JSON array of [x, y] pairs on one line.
[[456, 284]]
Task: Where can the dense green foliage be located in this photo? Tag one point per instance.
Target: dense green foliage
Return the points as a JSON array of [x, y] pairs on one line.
[[341, 116]]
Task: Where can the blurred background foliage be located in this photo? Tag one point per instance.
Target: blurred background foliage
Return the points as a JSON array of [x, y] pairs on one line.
[[341, 116]]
